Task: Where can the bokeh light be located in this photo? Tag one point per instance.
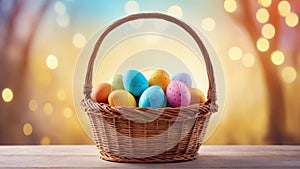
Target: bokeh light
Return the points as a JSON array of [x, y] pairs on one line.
[[248, 60], [235, 53], [268, 31], [277, 57], [262, 44], [27, 129], [284, 8], [230, 6], [7, 95], [208, 24], [79, 40], [48, 108], [131, 7], [289, 74], [68, 112], [175, 10], [44, 94], [52, 62], [265, 3], [59, 7], [33, 105], [262, 15], [61, 95], [63, 20], [45, 140], [292, 19]]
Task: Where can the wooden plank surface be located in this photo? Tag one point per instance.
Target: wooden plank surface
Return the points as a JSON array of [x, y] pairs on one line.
[[86, 156]]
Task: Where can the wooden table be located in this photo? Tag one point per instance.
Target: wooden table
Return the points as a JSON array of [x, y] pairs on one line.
[[86, 156]]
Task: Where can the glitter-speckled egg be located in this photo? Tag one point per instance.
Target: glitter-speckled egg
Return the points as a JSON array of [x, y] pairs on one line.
[[160, 78], [178, 94]]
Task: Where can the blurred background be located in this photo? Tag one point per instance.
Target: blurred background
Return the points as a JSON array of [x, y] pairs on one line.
[[256, 41]]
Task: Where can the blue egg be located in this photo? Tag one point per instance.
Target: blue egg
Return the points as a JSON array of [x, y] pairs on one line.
[[184, 78], [135, 82], [153, 97]]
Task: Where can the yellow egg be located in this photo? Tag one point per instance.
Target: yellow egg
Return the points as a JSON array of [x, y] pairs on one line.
[[197, 96], [121, 98], [160, 78]]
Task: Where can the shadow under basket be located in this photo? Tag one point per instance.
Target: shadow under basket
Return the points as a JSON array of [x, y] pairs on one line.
[[133, 134]]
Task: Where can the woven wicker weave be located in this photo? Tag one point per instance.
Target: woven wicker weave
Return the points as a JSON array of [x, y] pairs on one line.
[[125, 134]]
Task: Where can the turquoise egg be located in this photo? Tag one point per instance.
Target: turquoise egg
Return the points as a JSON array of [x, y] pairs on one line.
[[135, 82], [153, 97]]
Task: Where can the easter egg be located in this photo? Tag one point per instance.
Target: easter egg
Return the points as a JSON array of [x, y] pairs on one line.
[[197, 96], [178, 94], [153, 97], [101, 92], [121, 98], [160, 78], [184, 78], [135, 82], [117, 82]]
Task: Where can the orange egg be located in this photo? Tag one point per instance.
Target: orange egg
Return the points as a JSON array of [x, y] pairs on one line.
[[197, 96], [101, 92]]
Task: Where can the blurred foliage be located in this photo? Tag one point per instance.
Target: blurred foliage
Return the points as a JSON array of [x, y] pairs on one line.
[[41, 40]]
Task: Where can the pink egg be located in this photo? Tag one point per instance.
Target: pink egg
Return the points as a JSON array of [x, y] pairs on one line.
[[178, 94]]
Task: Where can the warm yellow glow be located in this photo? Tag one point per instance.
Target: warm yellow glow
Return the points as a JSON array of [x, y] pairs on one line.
[[59, 7], [68, 112], [52, 62], [45, 140], [61, 95], [277, 57], [268, 31], [235, 53], [262, 44], [292, 19], [175, 10], [248, 60], [7, 95], [79, 40], [265, 3], [284, 8], [131, 7], [208, 24], [45, 77], [289, 74], [230, 5], [27, 129], [33, 105], [262, 15], [48, 109]]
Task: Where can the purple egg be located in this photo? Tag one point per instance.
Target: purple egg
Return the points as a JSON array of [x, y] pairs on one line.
[[184, 78], [178, 94]]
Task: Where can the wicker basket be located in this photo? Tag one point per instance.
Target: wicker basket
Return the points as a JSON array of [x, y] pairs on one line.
[[125, 134]]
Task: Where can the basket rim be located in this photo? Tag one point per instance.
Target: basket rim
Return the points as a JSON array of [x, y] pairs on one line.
[[91, 106]]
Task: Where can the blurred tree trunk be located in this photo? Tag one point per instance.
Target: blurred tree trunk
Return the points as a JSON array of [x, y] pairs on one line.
[[13, 75], [277, 113]]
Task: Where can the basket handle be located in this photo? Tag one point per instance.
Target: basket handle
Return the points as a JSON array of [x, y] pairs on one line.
[[211, 94]]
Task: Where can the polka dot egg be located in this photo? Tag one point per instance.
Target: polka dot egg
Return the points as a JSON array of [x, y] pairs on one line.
[[161, 78], [178, 94]]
